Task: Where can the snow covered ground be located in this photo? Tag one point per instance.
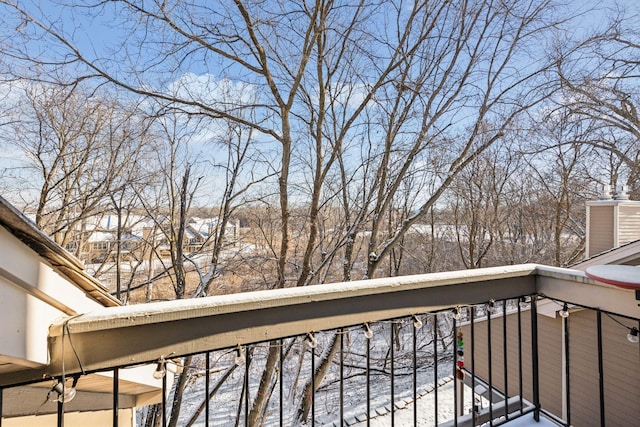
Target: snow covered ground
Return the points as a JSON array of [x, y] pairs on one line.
[[404, 415], [528, 420], [228, 405], [404, 412]]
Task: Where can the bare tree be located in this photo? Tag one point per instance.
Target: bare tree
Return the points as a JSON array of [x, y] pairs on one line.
[[599, 78], [477, 204], [80, 147], [559, 168], [352, 101]]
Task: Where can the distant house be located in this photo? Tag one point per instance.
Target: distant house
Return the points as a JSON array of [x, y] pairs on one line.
[[41, 282], [199, 233], [96, 238]]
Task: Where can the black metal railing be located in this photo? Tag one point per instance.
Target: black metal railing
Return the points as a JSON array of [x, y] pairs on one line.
[[408, 368], [467, 365]]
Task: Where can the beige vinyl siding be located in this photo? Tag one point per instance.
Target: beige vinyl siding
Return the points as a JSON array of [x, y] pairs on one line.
[[601, 229], [628, 224], [621, 361], [621, 364], [583, 362], [550, 359], [550, 363], [126, 418]]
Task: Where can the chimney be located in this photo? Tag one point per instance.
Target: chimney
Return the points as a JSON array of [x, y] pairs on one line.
[[623, 193], [611, 222]]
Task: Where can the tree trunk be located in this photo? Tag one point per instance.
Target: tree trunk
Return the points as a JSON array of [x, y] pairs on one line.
[[179, 391], [261, 397], [307, 396]]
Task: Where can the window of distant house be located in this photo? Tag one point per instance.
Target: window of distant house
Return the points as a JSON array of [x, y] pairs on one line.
[[100, 246]]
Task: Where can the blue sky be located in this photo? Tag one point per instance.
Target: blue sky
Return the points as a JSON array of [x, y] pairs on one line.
[[98, 36]]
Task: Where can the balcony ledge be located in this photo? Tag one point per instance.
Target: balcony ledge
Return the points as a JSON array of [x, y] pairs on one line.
[[150, 331]]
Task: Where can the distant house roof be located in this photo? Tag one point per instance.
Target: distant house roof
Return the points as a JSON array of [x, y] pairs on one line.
[[60, 260]]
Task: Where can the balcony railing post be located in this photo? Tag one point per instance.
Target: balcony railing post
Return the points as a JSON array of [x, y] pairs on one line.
[[490, 364], [504, 358], [207, 386], [368, 381], [520, 373], [534, 358], [456, 385], [473, 364], [281, 381], [313, 386], [392, 356], [342, 332], [415, 374], [246, 385], [600, 368], [567, 382], [164, 401], [116, 393], [435, 366], [60, 414]]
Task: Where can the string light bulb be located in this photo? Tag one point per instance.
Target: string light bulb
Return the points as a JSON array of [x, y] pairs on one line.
[[417, 323], [491, 308], [311, 340], [63, 394], [456, 313], [239, 358], [161, 369], [564, 313], [632, 336], [368, 333], [524, 302]]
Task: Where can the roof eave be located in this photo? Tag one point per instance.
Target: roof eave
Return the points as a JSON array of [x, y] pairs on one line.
[[60, 260]]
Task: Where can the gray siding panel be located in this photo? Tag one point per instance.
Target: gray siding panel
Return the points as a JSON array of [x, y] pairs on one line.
[[621, 373], [621, 365], [583, 360], [629, 224], [550, 363], [601, 231], [550, 397]]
